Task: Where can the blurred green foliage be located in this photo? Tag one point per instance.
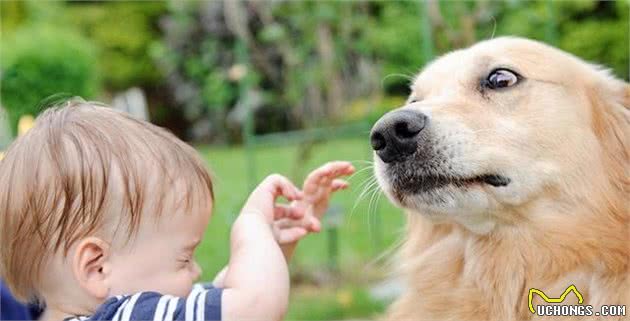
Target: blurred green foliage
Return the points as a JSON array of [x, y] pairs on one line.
[[39, 61], [311, 62], [123, 31], [394, 36], [604, 40], [78, 48]]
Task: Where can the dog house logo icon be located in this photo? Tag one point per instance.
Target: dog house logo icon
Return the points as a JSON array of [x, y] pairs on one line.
[[547, 299]]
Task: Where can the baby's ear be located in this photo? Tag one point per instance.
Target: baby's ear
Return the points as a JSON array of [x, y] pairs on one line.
[[89, 266]]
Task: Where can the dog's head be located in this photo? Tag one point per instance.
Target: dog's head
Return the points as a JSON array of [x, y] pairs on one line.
[[497, 126]]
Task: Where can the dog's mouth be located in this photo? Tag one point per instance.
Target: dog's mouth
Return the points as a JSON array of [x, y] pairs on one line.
[[428, 183], [491, 179]]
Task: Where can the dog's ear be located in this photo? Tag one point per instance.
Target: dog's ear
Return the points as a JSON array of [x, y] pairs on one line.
[[610, 102]]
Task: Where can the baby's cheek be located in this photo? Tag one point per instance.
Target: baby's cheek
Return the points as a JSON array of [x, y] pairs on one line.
[[185, 282], [196, 270], [173, 283]]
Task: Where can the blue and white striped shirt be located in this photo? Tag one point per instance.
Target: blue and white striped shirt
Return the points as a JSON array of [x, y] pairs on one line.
[[203, 303]]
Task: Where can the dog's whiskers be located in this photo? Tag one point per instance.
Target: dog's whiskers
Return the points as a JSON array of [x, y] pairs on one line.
[[369, 183], [373, 204], [360, 171]]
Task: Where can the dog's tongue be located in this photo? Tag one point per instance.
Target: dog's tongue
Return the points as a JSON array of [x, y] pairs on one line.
[[496, 180]]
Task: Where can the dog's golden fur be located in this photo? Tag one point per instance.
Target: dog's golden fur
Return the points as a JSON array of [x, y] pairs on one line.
[[570, 227]]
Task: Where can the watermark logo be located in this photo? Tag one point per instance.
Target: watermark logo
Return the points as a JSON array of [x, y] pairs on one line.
[[580, 309], [545, 298]]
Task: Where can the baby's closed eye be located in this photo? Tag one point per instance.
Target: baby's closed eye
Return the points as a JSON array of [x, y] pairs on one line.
[[184, 261]]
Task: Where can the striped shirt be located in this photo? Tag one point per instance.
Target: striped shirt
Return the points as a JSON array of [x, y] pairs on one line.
[[203, 303]]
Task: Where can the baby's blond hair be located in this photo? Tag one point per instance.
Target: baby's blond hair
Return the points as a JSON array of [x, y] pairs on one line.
[[61, 180]]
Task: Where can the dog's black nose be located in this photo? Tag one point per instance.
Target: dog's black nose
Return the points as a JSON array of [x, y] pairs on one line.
[[395, 135]]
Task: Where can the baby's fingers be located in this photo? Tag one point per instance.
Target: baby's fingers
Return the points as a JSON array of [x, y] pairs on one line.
[[324, 174], [263, 198], [339, 184], [309, 222], [279, 185], [286, 211], [314, 224], [291, 235], [284, 187]]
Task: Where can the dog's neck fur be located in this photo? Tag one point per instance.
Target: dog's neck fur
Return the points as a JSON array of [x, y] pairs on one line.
[[488, 276]]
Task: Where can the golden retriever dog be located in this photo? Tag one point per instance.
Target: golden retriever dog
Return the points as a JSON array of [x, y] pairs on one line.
[[511, 160]]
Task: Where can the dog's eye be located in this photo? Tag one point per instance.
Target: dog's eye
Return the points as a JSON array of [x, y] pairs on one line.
[[500, 78]]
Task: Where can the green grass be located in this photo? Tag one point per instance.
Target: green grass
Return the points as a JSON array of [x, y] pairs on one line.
[[363, 233], [332, 304]]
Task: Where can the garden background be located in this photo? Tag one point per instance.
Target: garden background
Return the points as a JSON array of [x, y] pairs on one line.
[[223, 74]]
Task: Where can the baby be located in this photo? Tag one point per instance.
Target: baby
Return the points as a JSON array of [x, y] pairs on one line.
[[100, 215]]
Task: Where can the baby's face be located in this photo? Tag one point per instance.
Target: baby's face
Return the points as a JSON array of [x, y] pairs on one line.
[[161, 258]]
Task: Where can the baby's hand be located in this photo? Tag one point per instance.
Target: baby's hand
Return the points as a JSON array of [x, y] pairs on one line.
[[263, 199], [304, 216], [321, 183], [291, 225], [294, 222]]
